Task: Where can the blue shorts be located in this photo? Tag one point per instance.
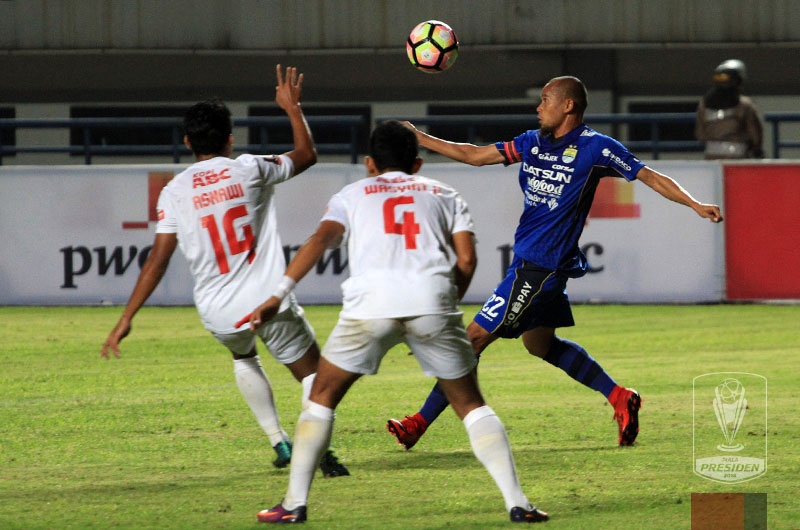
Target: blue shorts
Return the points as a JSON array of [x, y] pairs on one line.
[[528, 297]]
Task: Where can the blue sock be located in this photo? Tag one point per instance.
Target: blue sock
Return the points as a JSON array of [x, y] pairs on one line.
[[579, 365], [434, 405]]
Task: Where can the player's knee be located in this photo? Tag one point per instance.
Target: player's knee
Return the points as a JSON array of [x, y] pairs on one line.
[[537, 352], [538, 344], [249, 355]]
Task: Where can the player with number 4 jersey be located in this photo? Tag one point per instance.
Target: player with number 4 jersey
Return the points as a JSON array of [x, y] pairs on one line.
[[419, 215], [411, 250]]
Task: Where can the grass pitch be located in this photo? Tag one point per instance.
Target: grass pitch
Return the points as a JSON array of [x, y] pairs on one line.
[[161, 438]]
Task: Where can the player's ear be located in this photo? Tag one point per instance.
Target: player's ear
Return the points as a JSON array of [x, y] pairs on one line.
[[187, 143], [372, 169], [415, 167]]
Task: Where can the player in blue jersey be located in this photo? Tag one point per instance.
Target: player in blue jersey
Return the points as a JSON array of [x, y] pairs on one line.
[[561, 165]]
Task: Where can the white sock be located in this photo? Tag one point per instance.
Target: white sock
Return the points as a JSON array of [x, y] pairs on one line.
[[311, 438], [307, 382], [489, 441], [257, 393]]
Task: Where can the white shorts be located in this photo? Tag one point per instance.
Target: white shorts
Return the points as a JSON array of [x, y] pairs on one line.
[[439, 343], [287, 337]]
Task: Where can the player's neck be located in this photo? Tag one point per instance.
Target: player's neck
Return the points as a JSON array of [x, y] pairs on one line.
[[564, 129], [203, 158]]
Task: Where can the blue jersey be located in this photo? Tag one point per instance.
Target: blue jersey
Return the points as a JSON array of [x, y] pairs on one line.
[[558, 179]]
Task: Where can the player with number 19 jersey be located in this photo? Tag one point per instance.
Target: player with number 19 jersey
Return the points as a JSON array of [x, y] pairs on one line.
[[223, 213], [402, 220], [558, 178]]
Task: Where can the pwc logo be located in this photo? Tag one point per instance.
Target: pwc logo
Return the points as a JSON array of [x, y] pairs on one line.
[[79, 260]]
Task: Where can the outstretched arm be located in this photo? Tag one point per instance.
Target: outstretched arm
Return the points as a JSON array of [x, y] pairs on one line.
[[150, 276], [328, 235], [673, 191], [466, 260], [287, 96], [471, 154]]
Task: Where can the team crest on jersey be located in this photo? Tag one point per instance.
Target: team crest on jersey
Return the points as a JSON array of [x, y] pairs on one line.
[[569, 154]]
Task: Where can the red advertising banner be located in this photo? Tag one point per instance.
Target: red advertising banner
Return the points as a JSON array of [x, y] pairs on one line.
[[762, 231]]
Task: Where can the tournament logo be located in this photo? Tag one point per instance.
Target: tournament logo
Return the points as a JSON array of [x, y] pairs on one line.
[[569, 154], [730, 426]]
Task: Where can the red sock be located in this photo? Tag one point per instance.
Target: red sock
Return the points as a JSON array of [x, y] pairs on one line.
[[615, 395]]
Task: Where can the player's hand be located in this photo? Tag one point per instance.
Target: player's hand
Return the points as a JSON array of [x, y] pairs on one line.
[[119, 332], [264, 313], [289, 88], [710, 211]]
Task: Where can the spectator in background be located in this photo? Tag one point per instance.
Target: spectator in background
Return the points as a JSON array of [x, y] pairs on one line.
[[728, 123]]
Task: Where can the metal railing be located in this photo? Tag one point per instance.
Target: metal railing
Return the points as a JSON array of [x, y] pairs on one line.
[[353, 125], [775, 120], [655, 145]]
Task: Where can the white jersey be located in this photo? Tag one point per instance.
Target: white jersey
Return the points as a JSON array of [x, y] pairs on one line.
[[398, 232], [222, 211]]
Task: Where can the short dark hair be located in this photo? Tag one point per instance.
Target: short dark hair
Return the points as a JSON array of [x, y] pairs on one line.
[[208, 126], [574, 89], [392, 145]]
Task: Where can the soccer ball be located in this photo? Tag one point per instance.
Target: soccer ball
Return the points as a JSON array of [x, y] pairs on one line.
[[432, 46]]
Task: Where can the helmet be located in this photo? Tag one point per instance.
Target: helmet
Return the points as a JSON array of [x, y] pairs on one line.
[[730, 73]]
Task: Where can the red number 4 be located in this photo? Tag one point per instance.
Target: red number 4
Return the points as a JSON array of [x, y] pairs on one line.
[[408, 228], [236, 245]]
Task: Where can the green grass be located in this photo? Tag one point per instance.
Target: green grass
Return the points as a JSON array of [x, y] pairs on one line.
[[162, 439]]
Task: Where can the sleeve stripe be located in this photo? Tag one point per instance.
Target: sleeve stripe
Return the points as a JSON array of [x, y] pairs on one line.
[[512, 155]]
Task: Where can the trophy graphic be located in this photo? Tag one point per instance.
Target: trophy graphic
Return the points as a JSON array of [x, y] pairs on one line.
[[730, 407]]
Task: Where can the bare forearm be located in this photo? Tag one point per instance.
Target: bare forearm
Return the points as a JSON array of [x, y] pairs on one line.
[[454, 150], [466, 261], [673, 191], [670, 189], [288, 94], [462, 277], [306, 258], [304, 154], [461, 152], [148, 280]]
